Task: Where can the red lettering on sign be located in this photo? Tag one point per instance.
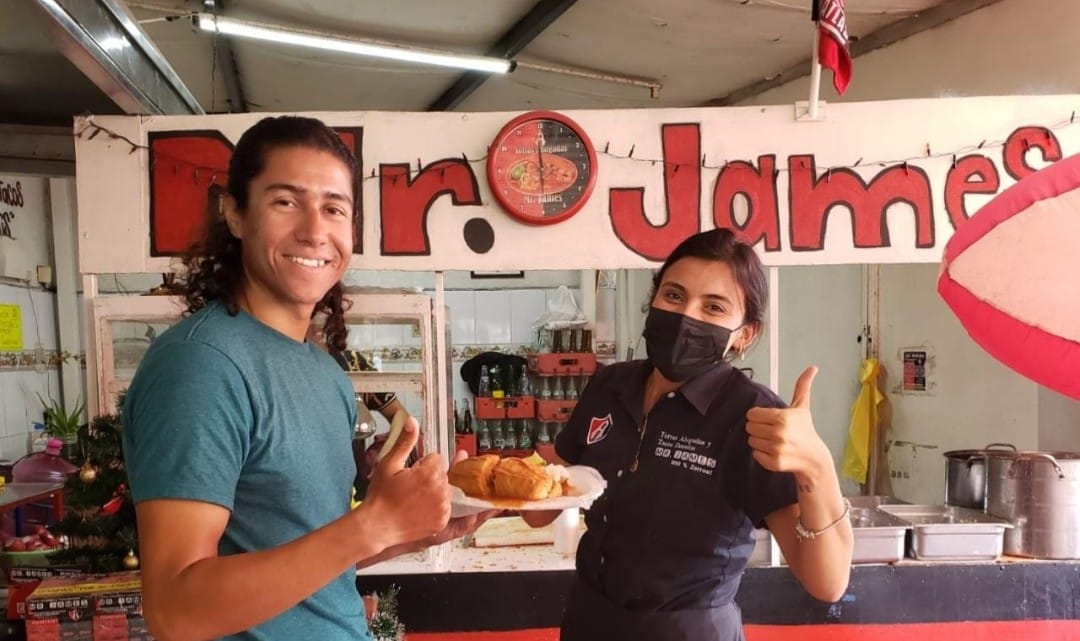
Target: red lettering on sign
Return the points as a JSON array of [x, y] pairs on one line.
[[1014, 155], [758, 186], [187, 170], [960, 183], [813, 197], [682, 197], [404, 202]]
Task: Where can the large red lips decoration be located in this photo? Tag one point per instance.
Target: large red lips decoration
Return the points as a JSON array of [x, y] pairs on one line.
[[1011, 274]]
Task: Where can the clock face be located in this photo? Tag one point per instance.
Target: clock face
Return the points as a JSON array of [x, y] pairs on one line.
[[542, 168]]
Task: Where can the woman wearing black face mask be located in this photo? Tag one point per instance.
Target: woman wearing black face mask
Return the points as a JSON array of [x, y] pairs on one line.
[[695, 456]]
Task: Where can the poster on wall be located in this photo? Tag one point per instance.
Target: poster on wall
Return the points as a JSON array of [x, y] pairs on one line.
[[11, 335], [917, 364], [876, 182]]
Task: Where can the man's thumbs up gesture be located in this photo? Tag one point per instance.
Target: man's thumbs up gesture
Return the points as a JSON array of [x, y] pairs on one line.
[[784, 440]]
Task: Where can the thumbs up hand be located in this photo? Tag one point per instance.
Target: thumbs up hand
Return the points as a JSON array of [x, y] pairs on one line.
[[784, 439], [408, 503]]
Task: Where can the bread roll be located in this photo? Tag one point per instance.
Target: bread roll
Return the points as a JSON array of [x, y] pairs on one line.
[[475, 475], [516, 479], [487, 476]]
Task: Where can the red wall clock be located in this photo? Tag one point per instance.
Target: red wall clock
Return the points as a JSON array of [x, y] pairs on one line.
[[541, 168]]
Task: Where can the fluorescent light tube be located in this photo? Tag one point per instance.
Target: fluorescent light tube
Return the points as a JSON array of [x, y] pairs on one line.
[[280, 35]]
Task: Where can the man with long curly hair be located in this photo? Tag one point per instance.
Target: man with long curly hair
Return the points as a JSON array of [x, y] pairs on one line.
[[238, 429]]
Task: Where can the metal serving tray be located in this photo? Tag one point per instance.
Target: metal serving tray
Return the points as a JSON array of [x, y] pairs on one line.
[[945, 532], [873, 501], [879, 537]]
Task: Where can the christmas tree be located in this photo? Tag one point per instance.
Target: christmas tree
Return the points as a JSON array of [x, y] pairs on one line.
[[99, 519], [385, 626]]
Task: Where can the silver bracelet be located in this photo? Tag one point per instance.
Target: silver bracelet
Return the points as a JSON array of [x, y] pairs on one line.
[[804, 534]]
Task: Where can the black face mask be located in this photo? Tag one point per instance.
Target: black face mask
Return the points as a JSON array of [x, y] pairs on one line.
[[682, 347]]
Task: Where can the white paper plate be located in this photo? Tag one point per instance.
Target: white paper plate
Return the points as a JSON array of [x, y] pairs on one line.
[[585, 483]]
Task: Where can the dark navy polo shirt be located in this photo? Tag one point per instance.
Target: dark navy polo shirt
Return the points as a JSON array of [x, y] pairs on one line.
[[675, 534]]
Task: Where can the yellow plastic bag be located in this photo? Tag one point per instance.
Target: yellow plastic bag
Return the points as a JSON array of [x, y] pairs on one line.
[[864, 419]]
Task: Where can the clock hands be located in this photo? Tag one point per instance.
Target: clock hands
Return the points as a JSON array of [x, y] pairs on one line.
[[540, 165]]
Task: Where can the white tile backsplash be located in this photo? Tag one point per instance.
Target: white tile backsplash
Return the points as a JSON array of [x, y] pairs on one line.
[[462, 306], [361, 337], [492, 317], [526, 305], [387, 335]]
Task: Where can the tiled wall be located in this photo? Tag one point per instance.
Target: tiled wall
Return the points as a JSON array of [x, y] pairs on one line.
[[20, 379], [497, 320]]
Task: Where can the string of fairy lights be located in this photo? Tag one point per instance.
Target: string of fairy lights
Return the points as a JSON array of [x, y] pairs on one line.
[[91, 130]]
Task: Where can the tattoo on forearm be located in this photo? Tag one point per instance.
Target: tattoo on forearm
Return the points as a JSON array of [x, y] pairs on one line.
[[805, 488]]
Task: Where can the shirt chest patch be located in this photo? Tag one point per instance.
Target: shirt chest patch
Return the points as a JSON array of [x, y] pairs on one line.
[[599, 428], [690, 453]]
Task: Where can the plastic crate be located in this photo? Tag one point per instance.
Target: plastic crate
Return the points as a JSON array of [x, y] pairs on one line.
[[510, 453], [466, 442], [555, 364], [557, 411], [488, 408]]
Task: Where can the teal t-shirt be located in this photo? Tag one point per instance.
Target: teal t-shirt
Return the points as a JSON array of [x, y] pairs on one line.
[[226, 410]]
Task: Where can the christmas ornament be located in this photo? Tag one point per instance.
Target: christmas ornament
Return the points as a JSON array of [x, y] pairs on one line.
[[87, 474], [131, 562], [113, 505], [64, 541]]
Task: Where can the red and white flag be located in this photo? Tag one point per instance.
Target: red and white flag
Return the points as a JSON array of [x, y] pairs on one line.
[[833, 50]]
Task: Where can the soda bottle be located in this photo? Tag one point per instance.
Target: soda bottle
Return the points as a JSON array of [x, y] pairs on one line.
[[484, 388], [542, 433], [467, 424], [524, 437], [524, 387], [483, 437], [510, 435]]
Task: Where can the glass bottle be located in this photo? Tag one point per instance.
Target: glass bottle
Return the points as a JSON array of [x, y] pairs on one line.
[[524, 386], [498, 436], [484, 388], [497, 389], [524, 435], [545, 388], [510, 435], [542, 433], [556, 388], [511, 387], [467, 422], [483, 437]]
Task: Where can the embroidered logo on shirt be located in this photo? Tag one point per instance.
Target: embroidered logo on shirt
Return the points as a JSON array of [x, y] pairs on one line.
[[598, 429]]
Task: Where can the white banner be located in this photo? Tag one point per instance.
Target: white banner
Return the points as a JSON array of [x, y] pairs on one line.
[[879, 182]]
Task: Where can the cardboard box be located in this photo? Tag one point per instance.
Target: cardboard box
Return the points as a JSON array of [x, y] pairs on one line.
[[79, 598], [102, 607]]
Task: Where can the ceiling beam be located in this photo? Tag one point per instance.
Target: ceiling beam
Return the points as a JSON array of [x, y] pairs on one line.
[[35, 149], [105, 43], [933, 17], [226, 60], [509, 45]]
